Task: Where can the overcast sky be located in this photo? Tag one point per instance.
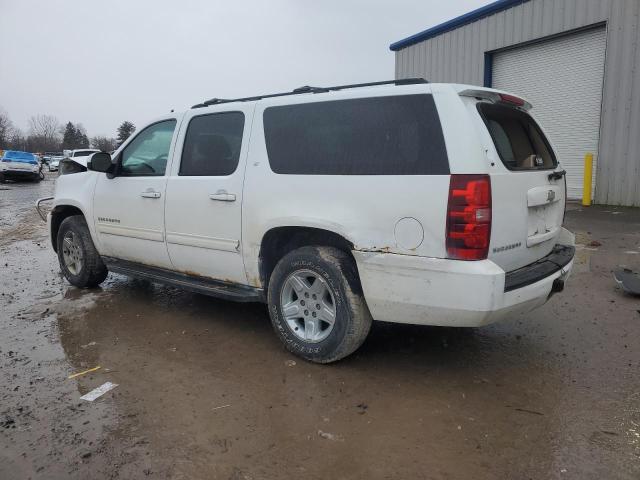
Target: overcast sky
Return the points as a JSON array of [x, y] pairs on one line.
[[99, 62]]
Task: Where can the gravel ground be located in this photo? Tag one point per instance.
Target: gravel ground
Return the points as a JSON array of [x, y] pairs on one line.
[[206, 391]]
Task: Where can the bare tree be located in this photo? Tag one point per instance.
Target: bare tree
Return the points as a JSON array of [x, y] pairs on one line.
[[44, 133], [17, 140], [6, 128], [104, 144]]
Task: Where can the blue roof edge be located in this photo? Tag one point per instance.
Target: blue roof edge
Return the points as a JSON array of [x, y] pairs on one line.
[[470, 17]]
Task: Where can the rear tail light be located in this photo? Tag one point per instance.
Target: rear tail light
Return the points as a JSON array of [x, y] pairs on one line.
[[469, 217], [512, 99]]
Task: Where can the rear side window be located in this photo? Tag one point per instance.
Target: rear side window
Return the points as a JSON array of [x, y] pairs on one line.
[[517, 137], [395, 135], [212, 145]]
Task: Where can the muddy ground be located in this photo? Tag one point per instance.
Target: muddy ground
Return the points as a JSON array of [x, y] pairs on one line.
[[206, 391]]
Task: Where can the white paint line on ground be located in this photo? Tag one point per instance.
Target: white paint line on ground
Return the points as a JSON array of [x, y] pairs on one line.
[[98, 392]]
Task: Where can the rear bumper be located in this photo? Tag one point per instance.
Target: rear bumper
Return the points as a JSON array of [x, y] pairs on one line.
[[559, 257], [434, 291]]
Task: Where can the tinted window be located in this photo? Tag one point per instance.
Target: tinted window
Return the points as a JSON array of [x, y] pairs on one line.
[[399, 135], [518, 139], [148, 152], [212, 144]]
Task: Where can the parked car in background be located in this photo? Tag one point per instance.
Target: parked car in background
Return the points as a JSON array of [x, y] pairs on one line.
[[79, 156], [46, 157], [80, 152], [54, 161], [430, 204], [17, 165]]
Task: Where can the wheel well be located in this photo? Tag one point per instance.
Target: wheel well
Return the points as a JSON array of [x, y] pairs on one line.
[[279, 241], [58, 214]]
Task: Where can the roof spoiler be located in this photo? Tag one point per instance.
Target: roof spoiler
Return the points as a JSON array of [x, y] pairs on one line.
[[497, 97]]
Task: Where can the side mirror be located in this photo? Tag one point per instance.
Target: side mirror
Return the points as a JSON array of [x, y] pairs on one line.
[[100, 162]]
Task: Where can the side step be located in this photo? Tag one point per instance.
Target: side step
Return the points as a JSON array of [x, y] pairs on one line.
[[206, 286]]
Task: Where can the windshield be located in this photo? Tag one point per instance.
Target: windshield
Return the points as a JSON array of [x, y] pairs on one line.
[[517, 138]]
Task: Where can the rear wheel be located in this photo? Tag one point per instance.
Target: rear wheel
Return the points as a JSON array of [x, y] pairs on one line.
[[79, 261], [316, 304]]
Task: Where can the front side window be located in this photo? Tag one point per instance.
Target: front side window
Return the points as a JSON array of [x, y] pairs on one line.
[[519, 141], [212, 145], [148, 152], [392, 135]]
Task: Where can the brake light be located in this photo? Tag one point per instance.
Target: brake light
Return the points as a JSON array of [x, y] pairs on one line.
[[512, 99], [469, 217]]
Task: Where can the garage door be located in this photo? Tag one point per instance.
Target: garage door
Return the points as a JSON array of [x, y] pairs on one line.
[[562, 78]]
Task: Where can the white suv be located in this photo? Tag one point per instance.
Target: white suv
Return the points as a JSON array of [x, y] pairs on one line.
[[402, 201]]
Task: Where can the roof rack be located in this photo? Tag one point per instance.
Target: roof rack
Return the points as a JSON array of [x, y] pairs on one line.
[[309, 89]]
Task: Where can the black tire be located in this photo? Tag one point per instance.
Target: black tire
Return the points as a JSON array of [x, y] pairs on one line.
[[92, 271], [352, 319], [3, 179]]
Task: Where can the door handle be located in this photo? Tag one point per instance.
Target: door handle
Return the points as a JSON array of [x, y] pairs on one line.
[[223, 196], [150, 194]]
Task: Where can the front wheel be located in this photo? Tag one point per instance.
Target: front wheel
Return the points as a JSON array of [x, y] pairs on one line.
[[316, 304], [79, 260]]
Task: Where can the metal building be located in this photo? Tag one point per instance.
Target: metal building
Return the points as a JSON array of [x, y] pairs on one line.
[[576, 61]]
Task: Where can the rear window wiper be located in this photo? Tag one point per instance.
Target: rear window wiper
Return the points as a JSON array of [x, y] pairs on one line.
[[557, 175]]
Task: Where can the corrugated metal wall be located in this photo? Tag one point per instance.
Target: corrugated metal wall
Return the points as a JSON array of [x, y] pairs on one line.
[[458, 56], [575, 65]]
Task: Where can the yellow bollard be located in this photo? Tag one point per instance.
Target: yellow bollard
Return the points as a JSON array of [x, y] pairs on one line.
[[586, 186]]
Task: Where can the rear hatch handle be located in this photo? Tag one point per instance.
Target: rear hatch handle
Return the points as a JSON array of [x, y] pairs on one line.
[[557, 175]]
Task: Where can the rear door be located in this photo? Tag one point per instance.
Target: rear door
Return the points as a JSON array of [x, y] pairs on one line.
[[528, 195], [203, 212]]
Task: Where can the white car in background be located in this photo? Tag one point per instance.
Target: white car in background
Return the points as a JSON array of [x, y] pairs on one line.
[[54, 161], [81, 155]]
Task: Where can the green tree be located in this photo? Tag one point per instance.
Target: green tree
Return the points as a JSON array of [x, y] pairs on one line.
[[69, 137], [82, 141], [125, 130]]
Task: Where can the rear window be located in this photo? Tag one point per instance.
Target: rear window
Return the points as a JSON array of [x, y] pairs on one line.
[[517, 137], [394, 135]]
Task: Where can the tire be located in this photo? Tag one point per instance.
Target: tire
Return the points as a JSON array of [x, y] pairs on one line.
[[340, 284], [2, 178], [90, 271]]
